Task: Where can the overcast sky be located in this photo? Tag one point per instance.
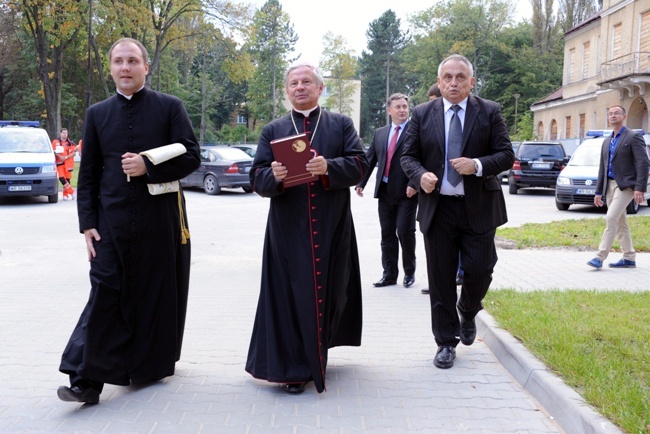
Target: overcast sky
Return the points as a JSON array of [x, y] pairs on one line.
[[349, 18]]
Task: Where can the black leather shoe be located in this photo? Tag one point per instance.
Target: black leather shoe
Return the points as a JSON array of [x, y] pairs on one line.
[[409, 280], [294, 388], [385, 282], [467, 330], [78, 394], [425, 291], [445, 357]]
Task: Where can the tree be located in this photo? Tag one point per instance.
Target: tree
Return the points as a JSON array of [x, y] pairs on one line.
[[53, 26], [272, 38], [340, 66], [9, 54], [381, 70], [573, 12]]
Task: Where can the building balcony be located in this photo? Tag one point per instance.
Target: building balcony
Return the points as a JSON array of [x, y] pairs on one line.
[[629, 72]]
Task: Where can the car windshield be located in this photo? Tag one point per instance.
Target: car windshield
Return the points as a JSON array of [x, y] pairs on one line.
[[534, 151], [586, 156], [33, 141]]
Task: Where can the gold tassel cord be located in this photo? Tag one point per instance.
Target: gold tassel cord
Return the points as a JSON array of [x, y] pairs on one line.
[[185, 233]]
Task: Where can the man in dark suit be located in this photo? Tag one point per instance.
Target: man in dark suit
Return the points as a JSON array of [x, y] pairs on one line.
[[455, 147], [397, 200], [622, 176]]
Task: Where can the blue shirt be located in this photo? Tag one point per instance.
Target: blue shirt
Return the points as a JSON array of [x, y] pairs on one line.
[[612, 147]]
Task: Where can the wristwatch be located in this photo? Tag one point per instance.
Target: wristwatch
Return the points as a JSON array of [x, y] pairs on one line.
[[475, 166]]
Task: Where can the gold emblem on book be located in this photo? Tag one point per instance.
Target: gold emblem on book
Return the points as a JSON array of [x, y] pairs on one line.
[[299, 145]]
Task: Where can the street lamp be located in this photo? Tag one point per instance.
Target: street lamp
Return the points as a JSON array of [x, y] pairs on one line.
[[516, 107]]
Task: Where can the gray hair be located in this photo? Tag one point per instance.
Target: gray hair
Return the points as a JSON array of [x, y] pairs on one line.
[[394, 97], [319, 77], [459, 58]]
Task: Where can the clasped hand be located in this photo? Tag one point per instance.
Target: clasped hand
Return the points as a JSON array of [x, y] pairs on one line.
[[316, 166]]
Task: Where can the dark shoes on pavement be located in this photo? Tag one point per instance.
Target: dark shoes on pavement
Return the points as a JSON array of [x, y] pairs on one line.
[[385, 282], [467, 330], [294, 388], [445, 357], [623, 263], [409, 280], [78, 394]]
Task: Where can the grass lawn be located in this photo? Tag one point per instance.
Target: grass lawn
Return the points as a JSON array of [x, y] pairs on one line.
[[583, 234], [598, 342]]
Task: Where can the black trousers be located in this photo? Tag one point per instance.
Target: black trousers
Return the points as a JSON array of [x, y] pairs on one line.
[[397, 221], [450, 234]]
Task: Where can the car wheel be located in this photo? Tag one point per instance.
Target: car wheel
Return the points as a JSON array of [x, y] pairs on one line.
[[561, 206], [53, 198], [512, 188], [632, 207], [211, 185], [247, 189]]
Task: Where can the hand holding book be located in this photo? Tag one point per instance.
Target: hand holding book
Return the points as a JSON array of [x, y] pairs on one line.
[[294, 153]]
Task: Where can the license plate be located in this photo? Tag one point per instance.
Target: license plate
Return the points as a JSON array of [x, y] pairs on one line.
[[20, 188], [585, 191], [541, 165]]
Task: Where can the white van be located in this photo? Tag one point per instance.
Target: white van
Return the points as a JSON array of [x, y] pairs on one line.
[[27, 162]]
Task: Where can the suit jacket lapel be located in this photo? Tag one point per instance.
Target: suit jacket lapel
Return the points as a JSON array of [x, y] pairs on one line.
[[471, 114], [438, 116]]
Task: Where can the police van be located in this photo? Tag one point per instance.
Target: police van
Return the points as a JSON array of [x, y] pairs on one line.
[[27, 162]]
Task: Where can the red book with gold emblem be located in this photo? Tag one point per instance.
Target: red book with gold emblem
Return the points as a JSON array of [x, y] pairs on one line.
[[294, 152]]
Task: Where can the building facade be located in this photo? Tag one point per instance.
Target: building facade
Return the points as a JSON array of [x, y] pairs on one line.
[[606, 63]]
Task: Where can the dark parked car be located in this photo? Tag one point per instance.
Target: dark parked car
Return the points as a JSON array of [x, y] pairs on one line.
[[221, 167], [249, 149], [504, 175], [537, 164]]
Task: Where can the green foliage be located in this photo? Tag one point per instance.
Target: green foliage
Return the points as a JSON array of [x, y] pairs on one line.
[[340, 66], [239, 134], [597, 341], [272, 38], [381, 70]]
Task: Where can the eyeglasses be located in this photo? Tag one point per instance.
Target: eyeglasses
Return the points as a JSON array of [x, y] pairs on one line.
[[615, 114]]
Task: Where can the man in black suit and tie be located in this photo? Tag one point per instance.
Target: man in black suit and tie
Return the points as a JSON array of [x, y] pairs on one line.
[[622, 176], [455, 147], [397, 200]]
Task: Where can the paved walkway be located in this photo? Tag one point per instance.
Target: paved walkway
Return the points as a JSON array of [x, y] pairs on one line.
[[388, 385]]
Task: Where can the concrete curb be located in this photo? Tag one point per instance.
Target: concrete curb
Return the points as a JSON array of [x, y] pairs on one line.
[[560, 401]]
